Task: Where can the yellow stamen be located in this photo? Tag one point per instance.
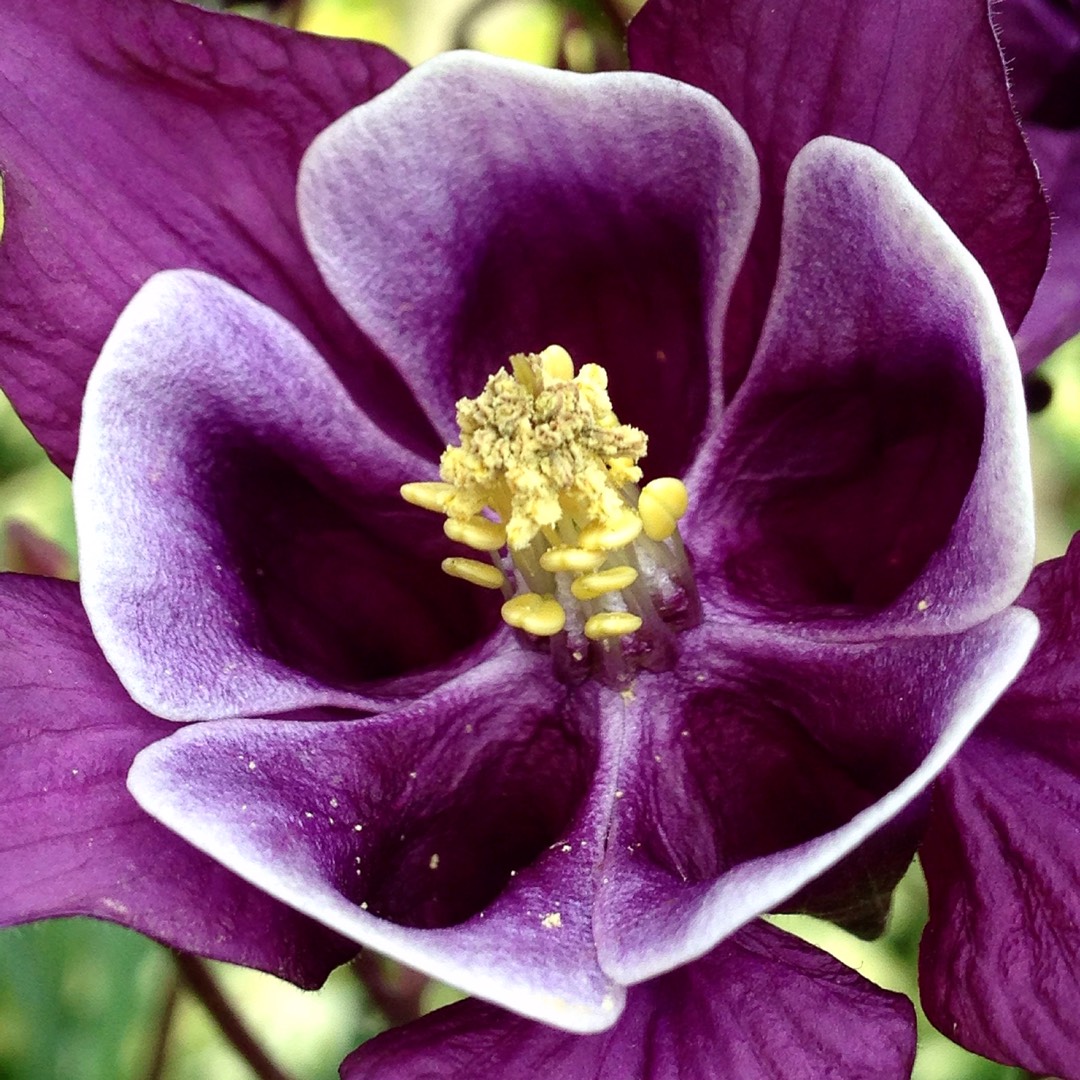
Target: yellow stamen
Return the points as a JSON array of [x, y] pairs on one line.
[[427, 494], [541, 443], [476, 573], [609, 624], [615, 532], [614, 579], [573, 560], [663, 502], [556, 364], [535, 614], [476, 532]]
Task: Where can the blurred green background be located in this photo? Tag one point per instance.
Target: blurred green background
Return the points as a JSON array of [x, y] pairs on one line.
[[83, 1000]]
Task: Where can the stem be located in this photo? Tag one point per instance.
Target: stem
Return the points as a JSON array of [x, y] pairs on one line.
[[159, 1053], [201, 983], [398, 999]]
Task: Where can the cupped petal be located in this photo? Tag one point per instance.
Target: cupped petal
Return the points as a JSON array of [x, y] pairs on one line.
[[872, 476], [460, 835], [761, 1006], [483, 208], [145, 135], [1000, 958], [244, 548], [75, 842], [775, 760], [924, 84]]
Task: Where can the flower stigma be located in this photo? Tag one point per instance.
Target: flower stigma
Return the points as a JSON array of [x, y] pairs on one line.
[[545, 483]]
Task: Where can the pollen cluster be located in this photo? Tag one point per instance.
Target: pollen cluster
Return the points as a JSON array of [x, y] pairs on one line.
[[545, 470]]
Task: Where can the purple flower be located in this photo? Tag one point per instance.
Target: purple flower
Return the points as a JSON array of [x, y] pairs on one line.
[[1041, 39], [806, 344]]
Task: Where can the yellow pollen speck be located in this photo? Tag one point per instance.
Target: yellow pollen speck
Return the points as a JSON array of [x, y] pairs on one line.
[[663, 502], [922, 605], [614, 579], [552, 921], [476, 532], [433, 862], [535, 614], [609, 624], [476, 573]]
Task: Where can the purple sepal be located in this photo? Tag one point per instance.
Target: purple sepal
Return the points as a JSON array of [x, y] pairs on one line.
[[1000, 958], [74, 840], [761, 1006], [148, 134], [924, 84], [1042, 44]]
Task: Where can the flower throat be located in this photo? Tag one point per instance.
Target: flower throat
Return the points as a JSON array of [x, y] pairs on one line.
[[545, 482]]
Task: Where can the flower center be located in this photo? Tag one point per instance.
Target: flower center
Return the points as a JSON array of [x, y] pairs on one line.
[[545, 482]]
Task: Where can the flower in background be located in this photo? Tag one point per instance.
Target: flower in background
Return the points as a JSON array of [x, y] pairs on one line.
[[821, 363]]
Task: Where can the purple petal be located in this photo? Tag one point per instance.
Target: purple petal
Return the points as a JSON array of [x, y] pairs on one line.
[[763, 1005], [243, 545], [506, 207], [454, 835], [1000, 960], [924, 84], [145, 135], [74, 840], [872, 476], [772, 762]]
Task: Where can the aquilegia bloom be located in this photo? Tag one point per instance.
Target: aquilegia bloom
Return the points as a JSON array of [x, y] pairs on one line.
[[547, 826]]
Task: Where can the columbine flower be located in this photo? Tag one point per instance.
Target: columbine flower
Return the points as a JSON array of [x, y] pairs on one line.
[[1042, 43], [600, 781]]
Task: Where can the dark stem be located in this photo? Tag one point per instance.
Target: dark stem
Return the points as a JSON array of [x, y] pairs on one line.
[[159, 1054], [201, 983], [397, 997]]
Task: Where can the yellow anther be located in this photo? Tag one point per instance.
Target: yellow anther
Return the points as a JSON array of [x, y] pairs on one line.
[[614, 579], [609, 624], [574, 560], [538, 441], [535, 614], [476, 532], [555, 362], [476, 573], [428, 494], [611, 534], [663, 502]]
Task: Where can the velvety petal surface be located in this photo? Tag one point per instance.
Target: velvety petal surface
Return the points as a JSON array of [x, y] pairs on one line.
[[74, 840], [766, 763], [244, 548], [872, 475], [460, 836], [1041, 40], [924, 84], [763, 1006], [1000, 959], [149, 134], [484, 208]]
